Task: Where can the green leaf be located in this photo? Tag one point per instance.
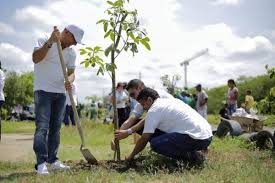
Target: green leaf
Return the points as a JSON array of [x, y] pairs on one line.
[[110, 67], [82, 51], [110, 3], [132, 36], [125, 26], [118, 3], [100, 21], [108, 33], [86, 64], [90, 48], [105, 26], [113, 24], [112, 36], [97, 49], [109, 12], [108, 50], [146, 44], [146, 39]]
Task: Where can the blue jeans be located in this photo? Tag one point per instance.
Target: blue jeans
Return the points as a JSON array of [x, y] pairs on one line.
[[232, 108], [178, 146], [49, 112]]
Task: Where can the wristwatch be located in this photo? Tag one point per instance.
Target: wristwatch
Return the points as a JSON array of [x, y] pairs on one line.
[[129, 131], [49, 45]]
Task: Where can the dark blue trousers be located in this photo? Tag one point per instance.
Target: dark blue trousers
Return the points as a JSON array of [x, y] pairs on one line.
[[178, 146]]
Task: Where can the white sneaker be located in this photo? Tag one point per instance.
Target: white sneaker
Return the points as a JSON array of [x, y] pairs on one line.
[[42, 169], [57, 165]]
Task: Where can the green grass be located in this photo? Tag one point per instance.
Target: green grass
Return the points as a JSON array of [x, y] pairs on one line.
[[230, 160], [18, 127]]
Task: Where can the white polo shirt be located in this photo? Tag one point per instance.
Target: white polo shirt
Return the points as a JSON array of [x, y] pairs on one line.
[[173, 115], [138, 109], [48, 75]]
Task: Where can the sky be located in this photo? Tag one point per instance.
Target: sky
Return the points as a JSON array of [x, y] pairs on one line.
[[239, 34]]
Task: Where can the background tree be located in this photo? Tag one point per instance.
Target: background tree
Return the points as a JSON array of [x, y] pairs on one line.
[[170, 83], [18, 90], [122, 29]]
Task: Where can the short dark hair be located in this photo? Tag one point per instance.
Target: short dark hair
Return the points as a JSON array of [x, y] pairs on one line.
[[231, 81], [119, 84], [147, 92], [134, 83], [198, 86], [248, 91]]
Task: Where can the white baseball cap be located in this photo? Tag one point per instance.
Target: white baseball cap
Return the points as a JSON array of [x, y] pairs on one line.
[[77, 32]]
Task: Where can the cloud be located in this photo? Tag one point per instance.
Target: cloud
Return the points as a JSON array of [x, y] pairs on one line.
[[230, 54], [6, 29], [14, 58], [36, 16], [226, 2], [273, 34]]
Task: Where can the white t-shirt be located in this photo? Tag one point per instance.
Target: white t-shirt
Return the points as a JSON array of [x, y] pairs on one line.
[[138, 109], [201, 96], [173, 115], [68, 101], [121, 98], [48, 75], [2, 83]]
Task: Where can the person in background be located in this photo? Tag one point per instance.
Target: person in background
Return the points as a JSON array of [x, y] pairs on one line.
[[249, 101], [224, 111], [128, 102], [69, 113], [201, 104], [121, 99], [232, 96], [93, 111], [2, 97]]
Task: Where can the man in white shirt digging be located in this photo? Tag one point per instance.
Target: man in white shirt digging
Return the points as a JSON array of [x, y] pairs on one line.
[[184, 132], [49, 93]]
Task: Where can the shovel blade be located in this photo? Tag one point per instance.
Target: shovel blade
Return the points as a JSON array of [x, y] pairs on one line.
[[88, 156]]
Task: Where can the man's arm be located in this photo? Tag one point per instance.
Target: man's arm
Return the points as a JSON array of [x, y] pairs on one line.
[[204, 102], [141, 144], [122, 134], [129, 122], [39, 54]]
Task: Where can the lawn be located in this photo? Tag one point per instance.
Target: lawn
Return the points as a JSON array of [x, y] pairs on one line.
[[229, 160]]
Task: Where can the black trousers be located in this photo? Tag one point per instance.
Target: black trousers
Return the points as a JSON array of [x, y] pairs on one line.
[[122, 116]]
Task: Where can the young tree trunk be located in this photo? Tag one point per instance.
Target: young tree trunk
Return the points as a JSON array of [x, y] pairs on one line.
[[116, 125]]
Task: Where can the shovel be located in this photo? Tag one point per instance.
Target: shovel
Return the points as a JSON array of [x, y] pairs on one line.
[[85, 152]]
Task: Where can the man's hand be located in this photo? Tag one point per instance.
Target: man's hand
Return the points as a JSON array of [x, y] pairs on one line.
[[68, 86], [55, 36], [113, 145], [121, 134], [129, 158]]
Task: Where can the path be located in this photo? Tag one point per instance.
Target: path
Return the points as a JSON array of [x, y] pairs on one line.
[[16, 147]]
